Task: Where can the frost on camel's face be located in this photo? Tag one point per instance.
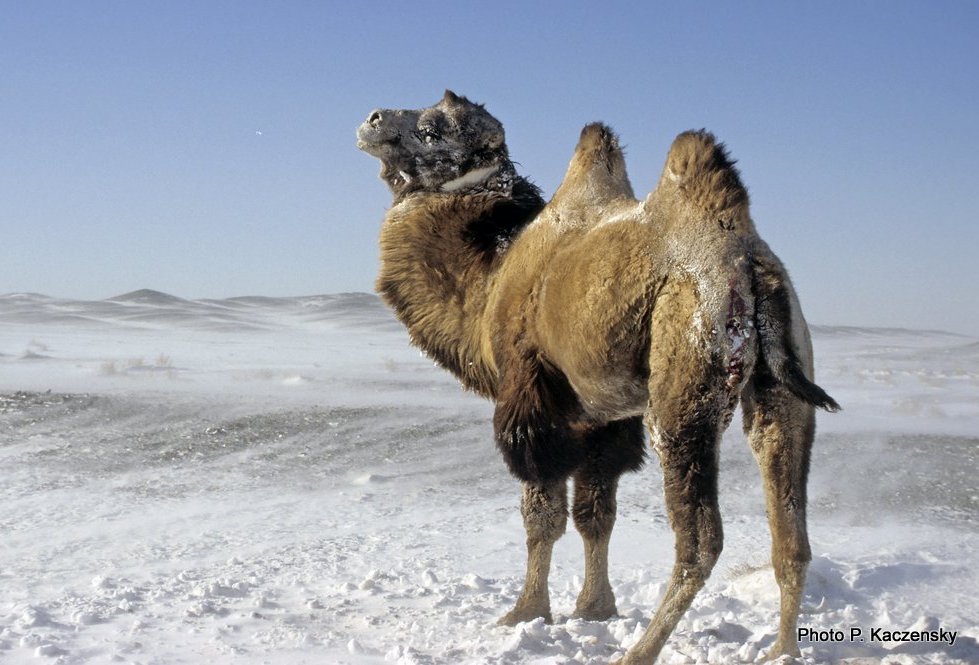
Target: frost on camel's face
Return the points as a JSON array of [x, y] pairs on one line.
[[445, 147]]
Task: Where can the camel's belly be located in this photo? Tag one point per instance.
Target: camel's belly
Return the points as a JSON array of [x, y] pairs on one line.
[[601, 343], [612, 396]]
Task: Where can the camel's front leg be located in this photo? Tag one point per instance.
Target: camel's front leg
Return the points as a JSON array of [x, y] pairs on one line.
[[594, 517], [544, 507], [610, 450]]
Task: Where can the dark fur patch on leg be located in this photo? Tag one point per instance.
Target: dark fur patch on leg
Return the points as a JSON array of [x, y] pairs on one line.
[[688, 457], [609, 451], [535, 410], [616, 447]]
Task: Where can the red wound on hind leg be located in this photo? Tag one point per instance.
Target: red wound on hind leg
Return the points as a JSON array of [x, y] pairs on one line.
[[738, 332]]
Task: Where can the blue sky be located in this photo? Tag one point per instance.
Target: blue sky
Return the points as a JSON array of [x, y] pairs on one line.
[[206, 149]]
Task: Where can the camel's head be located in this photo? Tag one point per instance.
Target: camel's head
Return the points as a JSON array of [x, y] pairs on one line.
[[453, 146]]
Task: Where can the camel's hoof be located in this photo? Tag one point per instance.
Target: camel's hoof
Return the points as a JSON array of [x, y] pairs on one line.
[[628, 659], [596, 606], [779, 650], [520, 614], [596, 612]]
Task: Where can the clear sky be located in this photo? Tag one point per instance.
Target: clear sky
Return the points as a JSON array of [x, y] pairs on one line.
[[206, 149]]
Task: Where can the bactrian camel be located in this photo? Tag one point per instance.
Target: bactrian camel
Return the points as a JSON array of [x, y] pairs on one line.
[[589, 316]]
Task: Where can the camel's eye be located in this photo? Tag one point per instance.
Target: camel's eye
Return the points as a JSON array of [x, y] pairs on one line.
[[429, 135]]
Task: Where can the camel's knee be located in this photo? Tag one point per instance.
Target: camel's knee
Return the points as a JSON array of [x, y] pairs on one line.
[[700, 546], [794, 549], [696, 572], [710, 543], [790, 563], [790, 572], [710, 552], [545, 510], [594, 508], [545, 526], [787, 519]]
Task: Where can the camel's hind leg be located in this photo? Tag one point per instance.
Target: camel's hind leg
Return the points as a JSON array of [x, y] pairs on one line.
[[780, 429], [689, 406], [544, 507], [610, 450], [689, 461]]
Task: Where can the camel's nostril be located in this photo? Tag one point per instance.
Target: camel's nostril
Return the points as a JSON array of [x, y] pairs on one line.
[[374, 119]]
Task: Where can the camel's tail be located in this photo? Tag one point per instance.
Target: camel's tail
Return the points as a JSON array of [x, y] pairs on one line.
[[773, 321]]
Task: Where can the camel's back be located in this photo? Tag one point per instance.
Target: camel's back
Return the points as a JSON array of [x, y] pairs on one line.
[[582, 280], [599, 289]]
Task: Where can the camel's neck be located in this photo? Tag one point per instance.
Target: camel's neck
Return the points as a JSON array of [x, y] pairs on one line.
[[439, 253]]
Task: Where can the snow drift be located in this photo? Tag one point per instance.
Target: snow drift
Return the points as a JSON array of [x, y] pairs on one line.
[[285, 480]]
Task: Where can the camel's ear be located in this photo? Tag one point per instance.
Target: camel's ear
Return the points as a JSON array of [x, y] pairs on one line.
[[451, 97], [494, 139]]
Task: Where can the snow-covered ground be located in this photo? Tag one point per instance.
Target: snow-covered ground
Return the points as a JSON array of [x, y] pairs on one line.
[[264, 480]]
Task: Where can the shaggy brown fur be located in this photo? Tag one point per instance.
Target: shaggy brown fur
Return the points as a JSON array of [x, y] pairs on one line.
[[585, 316]]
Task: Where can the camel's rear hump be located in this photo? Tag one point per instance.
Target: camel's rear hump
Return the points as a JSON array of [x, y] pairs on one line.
[[700, 167]]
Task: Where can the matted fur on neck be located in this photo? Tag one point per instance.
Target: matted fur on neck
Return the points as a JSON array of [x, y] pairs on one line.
[[466, 234]]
